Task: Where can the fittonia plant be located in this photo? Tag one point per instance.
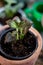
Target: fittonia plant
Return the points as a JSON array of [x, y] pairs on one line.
[[11, 7], [10, 10], [21, 27]]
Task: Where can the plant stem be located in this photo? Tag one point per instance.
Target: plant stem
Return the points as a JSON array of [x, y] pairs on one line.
[[17, 34], [21, 30]]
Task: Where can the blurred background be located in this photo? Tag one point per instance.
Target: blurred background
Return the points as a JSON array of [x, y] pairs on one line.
[[31, 9]]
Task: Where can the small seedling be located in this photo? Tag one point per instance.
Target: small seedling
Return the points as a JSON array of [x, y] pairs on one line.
[[21, 27]]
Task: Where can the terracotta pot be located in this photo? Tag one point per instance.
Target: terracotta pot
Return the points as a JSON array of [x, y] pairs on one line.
[[28, 61]]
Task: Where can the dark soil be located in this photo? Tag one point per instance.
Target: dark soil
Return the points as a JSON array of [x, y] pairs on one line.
[[21, 48]]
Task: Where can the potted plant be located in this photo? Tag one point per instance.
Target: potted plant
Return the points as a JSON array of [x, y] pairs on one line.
[[19, 45], [10, 8]]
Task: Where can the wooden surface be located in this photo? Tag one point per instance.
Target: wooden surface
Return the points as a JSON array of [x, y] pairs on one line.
[[40, 59]]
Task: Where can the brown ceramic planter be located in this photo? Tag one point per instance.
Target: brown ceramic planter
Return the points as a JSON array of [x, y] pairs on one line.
[[28, 61]]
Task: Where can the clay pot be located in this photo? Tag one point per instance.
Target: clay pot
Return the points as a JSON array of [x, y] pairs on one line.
[[28, 61]]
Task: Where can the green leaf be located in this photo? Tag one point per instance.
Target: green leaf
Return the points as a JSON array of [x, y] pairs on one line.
[[8, 11], [13, 24], [11, 1], [17, 7]]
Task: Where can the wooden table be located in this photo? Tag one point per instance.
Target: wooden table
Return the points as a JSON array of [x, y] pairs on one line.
[[40, 59]]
